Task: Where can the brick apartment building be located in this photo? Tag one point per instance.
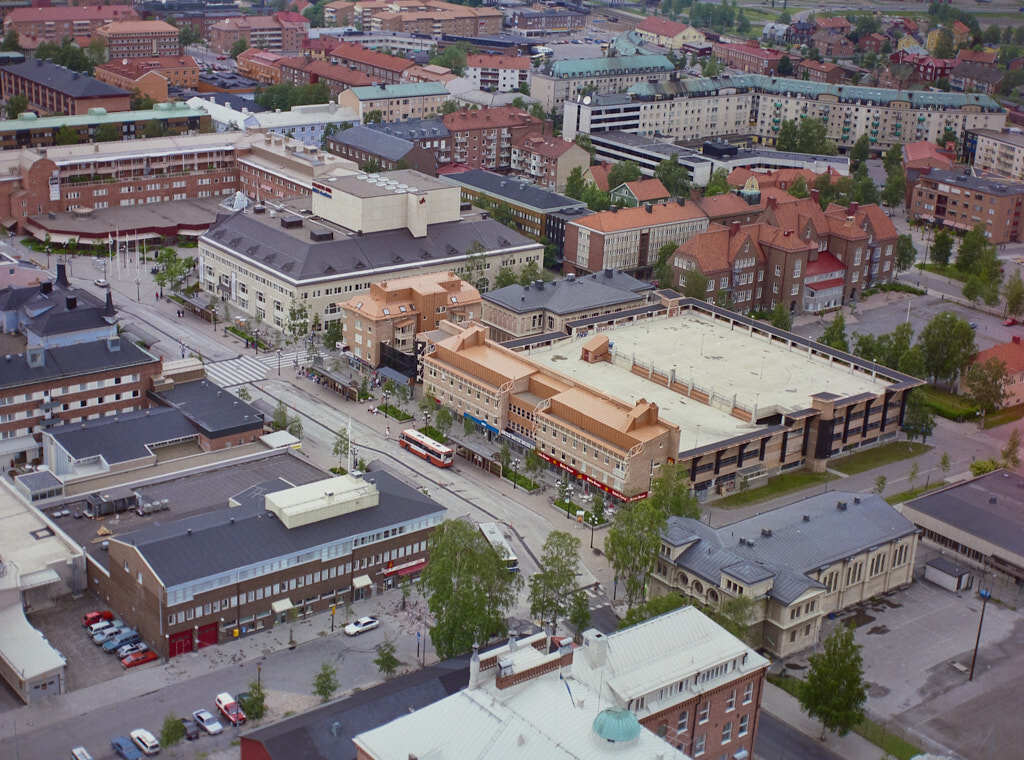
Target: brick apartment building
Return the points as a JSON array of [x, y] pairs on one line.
[[364, 143], [629, 238], [670, 34], [394, 312], [834, 25], [832, 45], [547, 161], [429, 17], [927, 68], [820, 72], [282, 32], [483, 139], [497, 73], [795, 254], [140, 39], [396, 102], [546, 18], [752, 58], [56, 23], [261, 65], [961, 201], [54, 89], [380, 67], [302, 71], [30, 131], [150, 76], [993, 151]]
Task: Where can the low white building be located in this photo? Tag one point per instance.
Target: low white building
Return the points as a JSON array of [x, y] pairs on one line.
[[498, 73], [303, 123]]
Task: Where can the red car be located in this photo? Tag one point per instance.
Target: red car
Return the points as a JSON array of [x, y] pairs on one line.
[[222, 57], [96, 616], [1010, 322], [230, 709], [139, 658]]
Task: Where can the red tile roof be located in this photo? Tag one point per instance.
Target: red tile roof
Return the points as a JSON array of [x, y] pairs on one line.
[[838, 282], [483, 61], [290, 18], [551, 147], [353, 52], [661, 26], [72, 13], [600, 174], [136, 67], [959, 27], [727, 204], [640, 216], [825, 264], [489, 118], [832, 22], [324, 70], [976, 56], [648, 189], [925, 153], [1011, 354], [754, 50]]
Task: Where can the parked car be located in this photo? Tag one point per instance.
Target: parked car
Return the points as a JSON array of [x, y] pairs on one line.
[[206, 721], [101, 283], [80, 753], [191, 729], [362, 625], [124, 748], [109, 633], [145, 741], [102, 625], [1010, 322], [126, 649], [116, 642], [974, 325], [139, 658], [230, 709], [96, 616]]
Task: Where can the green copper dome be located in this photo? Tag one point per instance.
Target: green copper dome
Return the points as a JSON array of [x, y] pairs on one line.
[[616, 725]]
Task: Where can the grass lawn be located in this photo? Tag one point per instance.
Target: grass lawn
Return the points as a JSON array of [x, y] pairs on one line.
[[946, 404], [521, 480], [394, 412], [893, 745], [777, 486], [1010, 414], [869, 459], [949, 271], [913, 493]]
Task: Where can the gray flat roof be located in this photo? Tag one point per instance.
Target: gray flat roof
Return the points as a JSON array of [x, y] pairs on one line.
[[216, 411], [373, 141], [228, 538], [991, 185], [123, 437], [359, 186], [782, 544], [292, 255], [650, 145], [413, 129], [593, 291], [72, 361], [519, 192], [990, 507], [64, 80]]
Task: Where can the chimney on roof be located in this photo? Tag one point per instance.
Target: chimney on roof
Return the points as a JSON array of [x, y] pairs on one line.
[[773, 202], [46, 287], [814, 194], [62, 276], [734, 228], [71, 302], [852, 210], [649, 208], [109, 310]]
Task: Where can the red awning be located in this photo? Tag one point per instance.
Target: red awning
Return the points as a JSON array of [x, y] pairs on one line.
[[407, 569], [826, 285]]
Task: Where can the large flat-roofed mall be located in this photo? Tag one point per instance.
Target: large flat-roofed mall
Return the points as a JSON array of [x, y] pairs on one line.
[[726, 396]]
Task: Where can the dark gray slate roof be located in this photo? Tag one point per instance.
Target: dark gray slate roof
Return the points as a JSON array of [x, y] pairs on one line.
[[217, 545], [593, 291], [123, 437], [64, 80], [297, 259], [71, 361], [326, 733], [969, 507], [39, 481], [514, 190], [374, 141], [415, 129], [60, 322], [794, 548], [209, 406]]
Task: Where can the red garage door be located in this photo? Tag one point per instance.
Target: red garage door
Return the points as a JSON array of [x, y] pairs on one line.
[[207, 635], [179, 643]]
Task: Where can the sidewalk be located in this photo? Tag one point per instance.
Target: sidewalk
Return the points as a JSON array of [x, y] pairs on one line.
[[787, 709]]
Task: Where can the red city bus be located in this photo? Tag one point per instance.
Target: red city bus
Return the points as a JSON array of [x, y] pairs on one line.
[[426, 447]]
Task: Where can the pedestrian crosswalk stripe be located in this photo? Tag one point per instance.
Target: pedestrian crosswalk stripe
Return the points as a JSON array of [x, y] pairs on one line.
[[244, 369]]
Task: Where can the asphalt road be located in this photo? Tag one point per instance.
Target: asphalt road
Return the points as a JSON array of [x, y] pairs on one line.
[[780, 741]]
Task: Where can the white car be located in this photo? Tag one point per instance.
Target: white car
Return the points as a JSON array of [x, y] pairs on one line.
[[95, 628], [362, 625], [205, 720], [145, 741], [128, 649], [101, 283]]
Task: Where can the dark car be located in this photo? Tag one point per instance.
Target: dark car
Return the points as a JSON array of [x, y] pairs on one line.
[[191, 729], [125, 748], [129, 637]]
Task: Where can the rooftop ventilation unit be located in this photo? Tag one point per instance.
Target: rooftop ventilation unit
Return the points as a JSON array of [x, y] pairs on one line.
[[321, 236], [290, 221]]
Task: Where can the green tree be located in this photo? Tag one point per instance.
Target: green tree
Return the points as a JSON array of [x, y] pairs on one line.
[[154, 128], [944, 46], [11, 42], [982, 466], [469, 591], [16, 105], [947, 342], [1011, 452], [172, 731], [530, 272], [834, 691], [892, 159], [188, 35], [443, 420], [298, 320], [718, 184], [695, 284], [325, 683], [632, 545], [583, 140], [243, 393], [173, 270], [533, 462], [880, 482], [864, 189], [107, 133], [972, 247], [942, 248], [386, 660], [788, 136], [663, 265], [945, 464], [734, 615], [333, 335], [798, 188], [342, 445], [239, 47], [453, 57], [785, 66], [574, 184], [894, 192], [906, 254], [742, 22], [781, 317], [948, 136], [623, 171], [537, 111], [671, 492], [673, 176], [986, 383], [1013, 293], [835, 334], [659, 605], [579, 614], [376, 116], [254, 705], [552, 586], [282, 421], [66, 135], [860, 152], [595, 198], [918, 419], [449, 106]]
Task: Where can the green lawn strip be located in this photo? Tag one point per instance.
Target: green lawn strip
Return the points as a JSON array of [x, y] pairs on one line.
[[246, 336], [780, 484], [876, 734], [913, 493], [519, 479], [946, 271], [869, 459], [948, 405], [1010, 414], [394, 412], [432, 432]]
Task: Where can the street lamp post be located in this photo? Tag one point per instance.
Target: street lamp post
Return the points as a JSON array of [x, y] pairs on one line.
[[985, 595], [515, 472], [279, 362]]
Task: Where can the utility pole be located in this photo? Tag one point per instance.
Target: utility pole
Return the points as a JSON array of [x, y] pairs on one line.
[[985, 595]]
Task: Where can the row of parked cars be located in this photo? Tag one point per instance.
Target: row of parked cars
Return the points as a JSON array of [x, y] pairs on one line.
[[113, 635]]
